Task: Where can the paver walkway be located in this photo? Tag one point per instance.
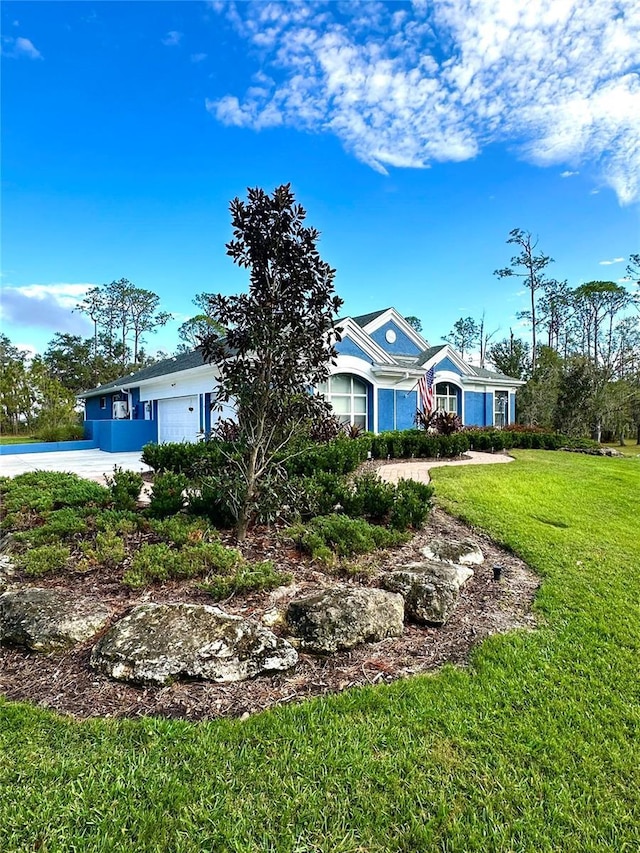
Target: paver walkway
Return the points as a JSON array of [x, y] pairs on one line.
[[419, 470]]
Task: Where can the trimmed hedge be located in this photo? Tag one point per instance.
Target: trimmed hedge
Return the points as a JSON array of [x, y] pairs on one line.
[[342, 455]]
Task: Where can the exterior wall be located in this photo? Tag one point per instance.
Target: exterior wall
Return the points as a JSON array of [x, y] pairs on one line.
[[403, 345], [406, 405], [396, 409], [386, 409], [46, 447], [488, 408], [349, 347], [176, 386], [447, 365], [93, 412], [137, 408], [121, 436], [474, 408]]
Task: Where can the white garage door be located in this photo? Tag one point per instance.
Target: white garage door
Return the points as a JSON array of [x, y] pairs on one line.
[[178, 419]]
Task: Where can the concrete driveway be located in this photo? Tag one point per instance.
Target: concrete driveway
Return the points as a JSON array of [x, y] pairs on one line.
[[89, 464]]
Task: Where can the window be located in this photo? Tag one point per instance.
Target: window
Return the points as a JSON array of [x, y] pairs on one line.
[[446, 397], [501, 408], [103, 402], [348, 398]]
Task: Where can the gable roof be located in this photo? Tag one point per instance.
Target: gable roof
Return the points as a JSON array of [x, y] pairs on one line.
[[429, 353], [364, 319], [491, 374], [175, 364]]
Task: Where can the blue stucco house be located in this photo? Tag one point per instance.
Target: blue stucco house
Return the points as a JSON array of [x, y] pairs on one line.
[[373, 384]]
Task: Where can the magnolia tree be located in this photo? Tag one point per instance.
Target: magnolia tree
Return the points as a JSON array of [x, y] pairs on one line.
[[277, 346]]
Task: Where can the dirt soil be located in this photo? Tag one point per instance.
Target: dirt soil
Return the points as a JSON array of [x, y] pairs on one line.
[[64, 682]]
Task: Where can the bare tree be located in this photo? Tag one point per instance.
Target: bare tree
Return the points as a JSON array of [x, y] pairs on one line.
[[530, 267]]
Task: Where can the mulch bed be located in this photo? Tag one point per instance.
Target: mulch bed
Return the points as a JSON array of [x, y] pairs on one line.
[[64, 682]]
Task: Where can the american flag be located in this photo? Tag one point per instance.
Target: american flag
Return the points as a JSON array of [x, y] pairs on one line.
[[425, 391]]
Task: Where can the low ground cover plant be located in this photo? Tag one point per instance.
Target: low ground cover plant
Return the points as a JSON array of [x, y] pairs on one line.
[[328, 537], [124, 488]]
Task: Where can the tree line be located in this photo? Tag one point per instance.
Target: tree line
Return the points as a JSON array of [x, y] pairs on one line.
[[581, 362]]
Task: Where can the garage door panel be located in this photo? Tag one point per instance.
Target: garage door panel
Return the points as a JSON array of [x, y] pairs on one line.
[[179, 419]]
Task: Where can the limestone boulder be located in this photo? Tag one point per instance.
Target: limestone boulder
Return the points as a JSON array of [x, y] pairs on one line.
[[45, 620], [159, 643], [7, 573], [341, 617], [430, 590], [463, 552]]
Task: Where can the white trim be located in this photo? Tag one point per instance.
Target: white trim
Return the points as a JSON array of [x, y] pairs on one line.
[[391, 315], [351, 330]]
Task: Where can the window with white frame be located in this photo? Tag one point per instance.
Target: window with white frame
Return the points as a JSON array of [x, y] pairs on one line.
[[348, 398], [103, 402], [446, 397], [500, 408]]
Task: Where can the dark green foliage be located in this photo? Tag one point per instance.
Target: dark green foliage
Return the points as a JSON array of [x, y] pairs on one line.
[[124, 487], [336, 535], [46, 559], [489, 440], [418, 444], [247, 577], [411, 506], [342, 455], [166, 494], [183, 458], [208, 501], [367, 496], [370, 497], [47, 490]]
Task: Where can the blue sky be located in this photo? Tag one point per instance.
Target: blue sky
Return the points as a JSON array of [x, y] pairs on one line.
[[415, 135]]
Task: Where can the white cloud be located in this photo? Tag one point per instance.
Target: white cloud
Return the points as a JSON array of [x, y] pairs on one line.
[[172, 38], [198, 57], [48, 306], [20, 48], [612, 261], [568, 173], [556, 80]]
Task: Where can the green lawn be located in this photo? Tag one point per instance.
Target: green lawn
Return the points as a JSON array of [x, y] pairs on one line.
[[536, 747], [17, 439], [630, 448]]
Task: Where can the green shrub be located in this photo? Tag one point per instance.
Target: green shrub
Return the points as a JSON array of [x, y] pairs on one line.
[[122, 521], [414, 443], [58, 524], [411, 505], [45, 559], [167, 494], [320, 494], [371, 497], [209, 502], [247, 577], [108, 550], [124, 487], [340, 456], [161, 562], [47, 490], [180, 529], [329, 536], [184, 458]]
